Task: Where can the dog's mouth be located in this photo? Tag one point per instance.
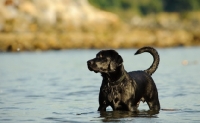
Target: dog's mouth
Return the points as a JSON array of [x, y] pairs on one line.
[[97, 70], [92, 69]]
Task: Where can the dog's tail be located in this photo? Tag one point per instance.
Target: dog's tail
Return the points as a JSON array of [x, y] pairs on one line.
[[156, 58]]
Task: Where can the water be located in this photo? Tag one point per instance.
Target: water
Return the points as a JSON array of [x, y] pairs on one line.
[[56, 86]]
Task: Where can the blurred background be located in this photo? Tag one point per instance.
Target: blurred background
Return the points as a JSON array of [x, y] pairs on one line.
[[29, 25]]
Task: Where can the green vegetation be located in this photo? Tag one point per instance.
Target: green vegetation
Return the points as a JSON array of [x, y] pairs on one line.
[[126, 8], [180, 5]]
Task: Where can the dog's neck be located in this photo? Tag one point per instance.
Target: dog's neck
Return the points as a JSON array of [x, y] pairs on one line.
[[115, 77]]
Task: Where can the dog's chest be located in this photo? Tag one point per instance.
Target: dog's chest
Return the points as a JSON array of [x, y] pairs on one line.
[[113, 93]]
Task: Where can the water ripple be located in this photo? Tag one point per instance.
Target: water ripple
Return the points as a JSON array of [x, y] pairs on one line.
[[35, 96]]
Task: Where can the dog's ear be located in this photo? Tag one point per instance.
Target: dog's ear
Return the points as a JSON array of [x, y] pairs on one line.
[[114, 63], [119, 60]]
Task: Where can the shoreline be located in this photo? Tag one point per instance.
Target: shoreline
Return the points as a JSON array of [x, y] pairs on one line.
[[133, 38]]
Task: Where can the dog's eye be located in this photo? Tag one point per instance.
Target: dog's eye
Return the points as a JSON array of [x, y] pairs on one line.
[[99, 56]]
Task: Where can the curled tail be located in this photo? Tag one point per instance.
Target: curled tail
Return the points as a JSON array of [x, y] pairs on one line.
[[156, 59]]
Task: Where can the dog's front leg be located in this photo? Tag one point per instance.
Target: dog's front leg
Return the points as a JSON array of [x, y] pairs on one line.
[[131, 107], [102, 102], [102, 108]]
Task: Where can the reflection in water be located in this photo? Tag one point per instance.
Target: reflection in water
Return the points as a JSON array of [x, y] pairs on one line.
[[108, 116]]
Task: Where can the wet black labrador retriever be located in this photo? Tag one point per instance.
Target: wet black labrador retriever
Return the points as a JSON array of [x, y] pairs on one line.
[[124, 90]]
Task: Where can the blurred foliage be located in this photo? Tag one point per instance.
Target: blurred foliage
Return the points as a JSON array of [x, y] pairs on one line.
[[180, 5], [126, 8]]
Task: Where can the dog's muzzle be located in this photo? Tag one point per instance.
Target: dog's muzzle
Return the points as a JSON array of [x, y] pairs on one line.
[[92, 66], [90, 63]]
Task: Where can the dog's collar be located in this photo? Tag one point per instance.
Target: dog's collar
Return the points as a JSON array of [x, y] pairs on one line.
[[117, 81]]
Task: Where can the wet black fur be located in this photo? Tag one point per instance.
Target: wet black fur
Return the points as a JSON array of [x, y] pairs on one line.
[[124, 90]]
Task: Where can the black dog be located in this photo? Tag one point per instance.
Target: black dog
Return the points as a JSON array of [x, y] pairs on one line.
[[124, 90]]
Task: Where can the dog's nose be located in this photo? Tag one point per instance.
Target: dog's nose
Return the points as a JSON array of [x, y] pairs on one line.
[[89, 62]]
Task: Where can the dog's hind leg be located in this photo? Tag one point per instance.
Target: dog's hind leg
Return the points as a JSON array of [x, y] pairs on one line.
[[154, 105]]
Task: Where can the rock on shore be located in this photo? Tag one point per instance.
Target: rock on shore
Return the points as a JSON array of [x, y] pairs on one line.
[[29, 25]]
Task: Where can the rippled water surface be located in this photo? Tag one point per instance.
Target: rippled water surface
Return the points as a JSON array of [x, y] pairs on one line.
[[56, 86]]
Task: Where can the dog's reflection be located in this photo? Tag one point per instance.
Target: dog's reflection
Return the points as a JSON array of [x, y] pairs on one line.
[[117, 115]]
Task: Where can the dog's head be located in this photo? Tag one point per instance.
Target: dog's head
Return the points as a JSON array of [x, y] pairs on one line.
[[106, 61]]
